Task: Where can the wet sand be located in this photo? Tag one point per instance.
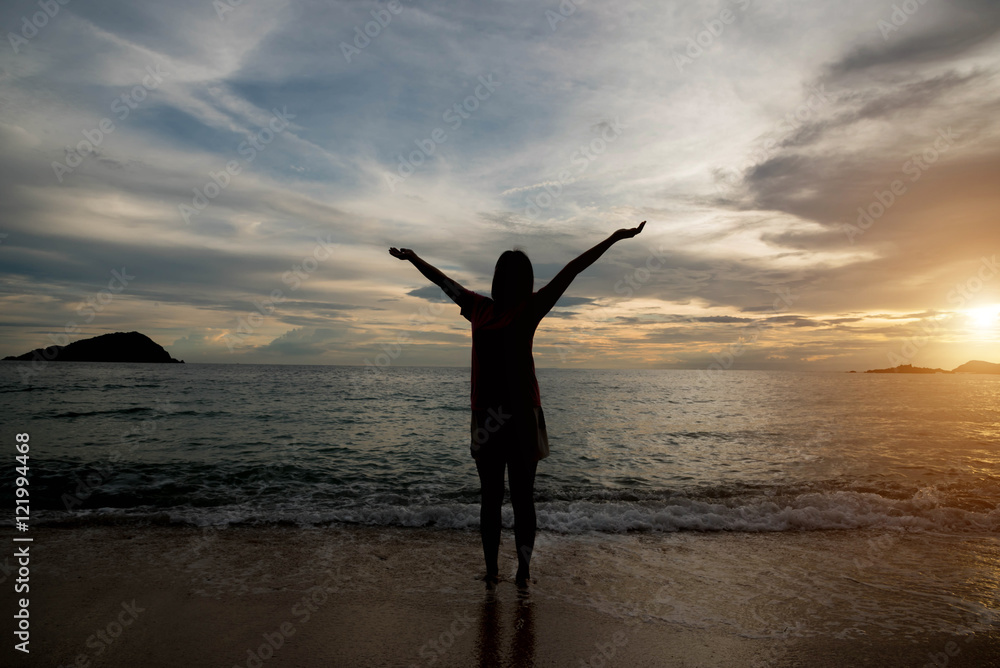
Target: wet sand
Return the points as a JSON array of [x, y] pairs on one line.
[[356, 596]]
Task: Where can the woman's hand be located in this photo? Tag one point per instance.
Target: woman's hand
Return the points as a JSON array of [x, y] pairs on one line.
[[402, 253], [628, 233]]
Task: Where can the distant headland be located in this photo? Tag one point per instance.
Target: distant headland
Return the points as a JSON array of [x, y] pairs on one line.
[[116, 347], [975, 366]]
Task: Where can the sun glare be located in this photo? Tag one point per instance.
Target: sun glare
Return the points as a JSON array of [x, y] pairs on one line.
[[984, 317]]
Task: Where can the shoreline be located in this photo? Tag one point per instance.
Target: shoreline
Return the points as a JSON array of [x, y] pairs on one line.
[[364, 596]]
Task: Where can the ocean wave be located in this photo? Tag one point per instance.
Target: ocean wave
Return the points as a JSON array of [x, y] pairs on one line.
[[139, 410], [115, 411], [923, 511]]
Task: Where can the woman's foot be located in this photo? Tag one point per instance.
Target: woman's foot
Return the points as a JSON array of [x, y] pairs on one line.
[[522, 579], [490, 579]]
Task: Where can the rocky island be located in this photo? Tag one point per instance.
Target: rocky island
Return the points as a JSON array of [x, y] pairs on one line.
[[975, 366], [908, 368], [116, 347]]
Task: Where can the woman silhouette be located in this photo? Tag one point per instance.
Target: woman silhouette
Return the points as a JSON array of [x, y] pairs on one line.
[[508, 426]]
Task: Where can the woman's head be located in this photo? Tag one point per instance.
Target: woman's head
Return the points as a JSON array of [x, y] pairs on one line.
[[513, 278]]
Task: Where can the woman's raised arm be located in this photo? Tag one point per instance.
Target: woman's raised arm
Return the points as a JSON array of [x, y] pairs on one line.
[[557, 286], [452, 288]]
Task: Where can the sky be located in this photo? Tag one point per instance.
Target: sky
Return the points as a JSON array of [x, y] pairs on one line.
[[819, 178]]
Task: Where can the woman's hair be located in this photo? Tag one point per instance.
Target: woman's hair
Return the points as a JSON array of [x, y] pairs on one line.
[[513, 279]]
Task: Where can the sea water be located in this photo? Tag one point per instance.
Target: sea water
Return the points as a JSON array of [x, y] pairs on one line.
[[636, 450]]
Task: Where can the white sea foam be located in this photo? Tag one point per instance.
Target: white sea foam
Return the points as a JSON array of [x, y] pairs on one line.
[[759, 513]]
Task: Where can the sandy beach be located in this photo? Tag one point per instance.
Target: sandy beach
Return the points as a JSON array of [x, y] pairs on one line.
[[167, 596]]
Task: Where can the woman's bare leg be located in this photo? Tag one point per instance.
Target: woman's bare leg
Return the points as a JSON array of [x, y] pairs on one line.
[[491, 470], [522, 497]]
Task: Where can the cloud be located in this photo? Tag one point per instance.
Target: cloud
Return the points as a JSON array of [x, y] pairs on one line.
[[573, 301], [431, 293], [722, 318], [923, 36], [303, 341], [749, 164]]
